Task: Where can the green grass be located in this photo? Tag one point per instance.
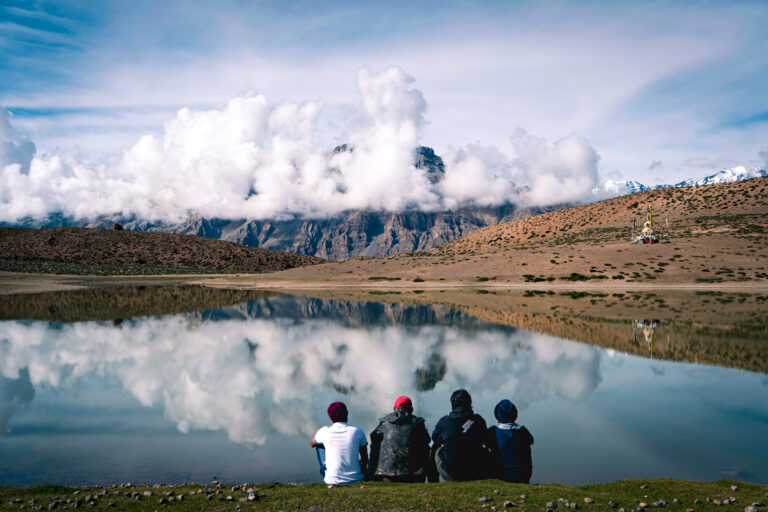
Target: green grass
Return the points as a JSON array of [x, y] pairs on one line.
[[626, 494]]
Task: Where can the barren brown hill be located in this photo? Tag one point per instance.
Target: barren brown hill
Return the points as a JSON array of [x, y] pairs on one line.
[[77, 250], [718, 235]]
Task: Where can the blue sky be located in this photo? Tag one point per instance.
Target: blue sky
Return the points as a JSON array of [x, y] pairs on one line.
[[680, 83]]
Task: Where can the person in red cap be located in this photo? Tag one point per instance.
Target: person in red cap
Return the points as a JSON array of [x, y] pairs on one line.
[[400, 445], [346, 449]]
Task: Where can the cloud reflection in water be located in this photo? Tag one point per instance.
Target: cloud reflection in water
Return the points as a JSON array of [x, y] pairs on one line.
[[255, 377]]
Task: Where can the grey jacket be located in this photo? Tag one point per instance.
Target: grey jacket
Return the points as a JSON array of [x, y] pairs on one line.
[[400, 447]]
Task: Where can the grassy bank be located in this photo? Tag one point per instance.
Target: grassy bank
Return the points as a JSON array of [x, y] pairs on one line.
[[629, 495]]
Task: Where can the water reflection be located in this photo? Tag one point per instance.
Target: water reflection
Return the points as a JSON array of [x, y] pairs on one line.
[[235, 370], [648, 331], [261, 373]]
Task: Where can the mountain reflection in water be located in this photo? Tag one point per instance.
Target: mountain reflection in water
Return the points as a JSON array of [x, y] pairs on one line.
[[264, 371]]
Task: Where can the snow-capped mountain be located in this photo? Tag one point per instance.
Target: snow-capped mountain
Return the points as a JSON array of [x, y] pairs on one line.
[[614, 188]]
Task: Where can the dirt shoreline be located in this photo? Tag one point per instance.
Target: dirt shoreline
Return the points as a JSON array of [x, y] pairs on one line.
[[21, 283]]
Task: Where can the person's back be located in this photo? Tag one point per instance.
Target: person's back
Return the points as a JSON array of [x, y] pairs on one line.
[[345, 447], [458, 449], [400, 445], [510, 445]]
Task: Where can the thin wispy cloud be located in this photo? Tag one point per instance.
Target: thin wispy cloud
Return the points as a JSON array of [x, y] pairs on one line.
[[643, 81]]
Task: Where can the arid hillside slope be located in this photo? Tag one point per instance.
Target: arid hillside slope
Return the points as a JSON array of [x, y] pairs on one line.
[[717, 235], [42, 249]]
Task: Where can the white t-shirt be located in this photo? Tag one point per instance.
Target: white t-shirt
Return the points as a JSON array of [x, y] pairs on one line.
[[342, 452]]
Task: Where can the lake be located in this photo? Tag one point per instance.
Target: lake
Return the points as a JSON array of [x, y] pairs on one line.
[[157, 385]]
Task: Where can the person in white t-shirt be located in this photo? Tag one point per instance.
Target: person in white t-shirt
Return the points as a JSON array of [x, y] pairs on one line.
[[346, 452]]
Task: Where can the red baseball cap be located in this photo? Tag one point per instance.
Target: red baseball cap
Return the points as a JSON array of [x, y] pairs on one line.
[[403, 401]]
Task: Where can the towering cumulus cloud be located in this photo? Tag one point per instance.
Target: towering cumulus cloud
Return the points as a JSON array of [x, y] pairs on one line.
[[256, 160]]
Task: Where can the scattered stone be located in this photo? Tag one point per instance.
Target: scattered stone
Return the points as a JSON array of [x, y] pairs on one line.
[[523, 496], [484, 499], [180, 497], [495, 491], [643, 486], [230, 498], [210, 496], [147, 493], [734, 487], [717, 502], [750, 509], [52, 505], [621, 509], [363, 487], [243, 500], [551, 504], [726, 501], [163, 501], [660, 504], [573, 505], [550, 510], [613, 504], [110, 504], [235, 488], [709, 500], [758, 504], [689, 510], [252, 496], [509, 504], [697, 501], [642, 504], [677, 501]]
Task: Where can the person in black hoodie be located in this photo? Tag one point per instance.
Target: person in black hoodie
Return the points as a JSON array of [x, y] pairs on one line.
[[510, 445], [458, 449], [400, 445]]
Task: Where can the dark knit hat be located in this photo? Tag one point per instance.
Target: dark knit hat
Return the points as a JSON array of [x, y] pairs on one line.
[[461, 398], [505, 412], [337, 411]]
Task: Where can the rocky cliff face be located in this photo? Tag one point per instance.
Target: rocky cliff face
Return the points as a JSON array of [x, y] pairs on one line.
[[355, 233]]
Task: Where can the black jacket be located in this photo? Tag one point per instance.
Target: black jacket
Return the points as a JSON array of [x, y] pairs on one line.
[[400, 447], [464, 454]]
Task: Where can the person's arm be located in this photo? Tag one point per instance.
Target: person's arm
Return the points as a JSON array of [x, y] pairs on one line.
[[376, 437], [317, 440], [432, 474], [364, 461]]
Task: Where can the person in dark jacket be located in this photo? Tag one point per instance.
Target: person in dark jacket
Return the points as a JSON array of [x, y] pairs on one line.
[[510, 445], [400, 445], [458, 449]]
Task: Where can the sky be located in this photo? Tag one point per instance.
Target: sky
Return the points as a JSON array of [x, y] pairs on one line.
[[651, 90]]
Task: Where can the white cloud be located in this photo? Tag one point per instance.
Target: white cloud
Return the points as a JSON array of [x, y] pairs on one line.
[[14, 149], [253, 159], [557, 172]]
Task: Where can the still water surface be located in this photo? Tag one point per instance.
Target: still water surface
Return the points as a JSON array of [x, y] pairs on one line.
[[237, 392]]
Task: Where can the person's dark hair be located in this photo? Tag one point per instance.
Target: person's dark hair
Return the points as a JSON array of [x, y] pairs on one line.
[[460, 398], [505, 412], [337, 411]]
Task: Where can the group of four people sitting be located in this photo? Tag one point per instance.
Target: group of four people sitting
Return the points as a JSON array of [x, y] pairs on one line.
[[462, 447]]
